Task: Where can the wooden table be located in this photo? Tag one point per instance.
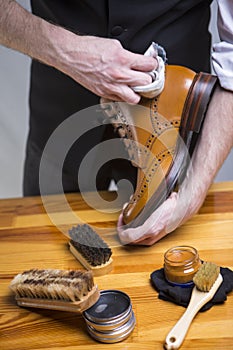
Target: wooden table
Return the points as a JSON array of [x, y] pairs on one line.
[[29, 239]]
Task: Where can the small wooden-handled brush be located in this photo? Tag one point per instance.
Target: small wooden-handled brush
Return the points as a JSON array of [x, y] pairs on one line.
[[207, 281], [64, 290], [90, 249]]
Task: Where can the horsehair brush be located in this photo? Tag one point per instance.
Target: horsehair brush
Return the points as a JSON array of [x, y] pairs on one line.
[[206, 276], [90, 249], [64, 290]]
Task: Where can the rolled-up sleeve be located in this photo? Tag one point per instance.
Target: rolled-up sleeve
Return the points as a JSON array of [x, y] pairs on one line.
[[222, 55]]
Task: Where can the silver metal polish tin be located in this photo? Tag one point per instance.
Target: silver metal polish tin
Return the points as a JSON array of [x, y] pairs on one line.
[[115, 335], [111, 318]]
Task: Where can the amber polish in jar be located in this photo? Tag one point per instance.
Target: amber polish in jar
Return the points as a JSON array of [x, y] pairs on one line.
[[180, 265]]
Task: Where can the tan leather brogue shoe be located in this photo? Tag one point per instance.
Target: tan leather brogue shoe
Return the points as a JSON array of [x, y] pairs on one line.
[[160, 135]]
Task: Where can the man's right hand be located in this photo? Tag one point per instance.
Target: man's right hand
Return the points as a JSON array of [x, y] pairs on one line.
[[105, 67], [101, 65]]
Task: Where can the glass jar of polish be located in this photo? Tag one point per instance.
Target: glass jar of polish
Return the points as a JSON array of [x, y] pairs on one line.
[[180, 265]]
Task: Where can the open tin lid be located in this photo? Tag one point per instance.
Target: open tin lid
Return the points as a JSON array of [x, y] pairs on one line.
[[112, 305]]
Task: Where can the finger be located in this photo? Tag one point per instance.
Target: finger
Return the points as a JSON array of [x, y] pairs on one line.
[[143, 240], [131, 235], [151, 239], [128, 76], [146, 242], [135, 78], [120, 222], [143, 63], [132, 101], [124, 93], [154, 226]]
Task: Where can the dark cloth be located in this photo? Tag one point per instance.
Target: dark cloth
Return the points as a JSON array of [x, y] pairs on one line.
[[181, 296], [180, 26]]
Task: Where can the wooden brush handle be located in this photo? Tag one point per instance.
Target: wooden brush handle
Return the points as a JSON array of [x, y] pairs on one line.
[[176, 336], [79, 306]]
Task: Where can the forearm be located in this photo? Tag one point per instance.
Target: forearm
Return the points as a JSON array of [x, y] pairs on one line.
[[22, 31], [101, 65], [214, 145]]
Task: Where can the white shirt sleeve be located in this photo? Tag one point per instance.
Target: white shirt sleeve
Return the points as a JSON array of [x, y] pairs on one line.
[[222, 55]]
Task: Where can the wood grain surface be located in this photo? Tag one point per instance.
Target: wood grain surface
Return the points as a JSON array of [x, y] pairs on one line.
[[29, 238]]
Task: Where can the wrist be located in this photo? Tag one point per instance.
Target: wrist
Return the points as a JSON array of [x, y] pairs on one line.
[[60, 47]]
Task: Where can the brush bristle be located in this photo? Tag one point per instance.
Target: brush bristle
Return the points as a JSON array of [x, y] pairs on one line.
[[206, 276], [90, 245], [65, 285]]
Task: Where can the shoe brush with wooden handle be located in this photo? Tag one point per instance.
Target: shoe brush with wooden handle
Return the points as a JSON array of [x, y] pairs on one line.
[[90, 250], [207, 281], [64, 290]]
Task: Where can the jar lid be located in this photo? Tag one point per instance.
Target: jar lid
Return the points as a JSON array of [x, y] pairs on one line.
[[112, 304], [111, 318]]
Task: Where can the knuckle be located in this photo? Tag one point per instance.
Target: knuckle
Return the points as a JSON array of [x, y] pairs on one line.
[[116, 43], [117, 75]]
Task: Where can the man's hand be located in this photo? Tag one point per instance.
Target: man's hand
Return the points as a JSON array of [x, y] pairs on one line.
[[101, 65], [216, 141], [104, 66], [153, 229]]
